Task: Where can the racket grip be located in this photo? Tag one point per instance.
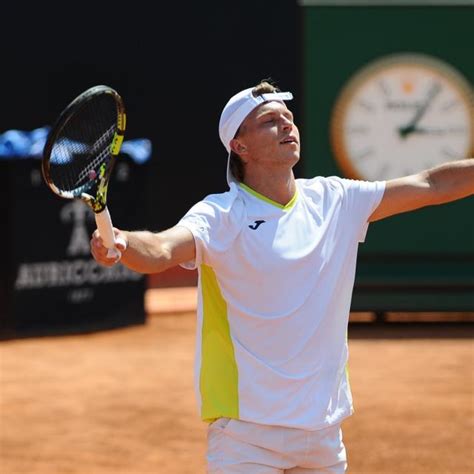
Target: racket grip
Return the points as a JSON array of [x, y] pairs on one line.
[[104, 224]]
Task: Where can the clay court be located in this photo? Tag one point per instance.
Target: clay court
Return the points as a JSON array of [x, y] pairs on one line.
[[122, 401]]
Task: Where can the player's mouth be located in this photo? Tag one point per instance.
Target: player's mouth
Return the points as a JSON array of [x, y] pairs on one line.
[[289, 140]]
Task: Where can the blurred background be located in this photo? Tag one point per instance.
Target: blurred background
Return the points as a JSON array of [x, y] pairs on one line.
[[176, 64]]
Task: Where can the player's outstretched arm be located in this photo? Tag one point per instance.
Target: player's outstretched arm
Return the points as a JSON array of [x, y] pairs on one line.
[[444, 183], [148, 252]]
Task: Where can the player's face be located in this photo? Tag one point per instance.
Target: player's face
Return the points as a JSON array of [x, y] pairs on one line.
[[269, 135]]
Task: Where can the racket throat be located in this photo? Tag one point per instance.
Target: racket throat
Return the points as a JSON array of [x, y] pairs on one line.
[[96, 204]]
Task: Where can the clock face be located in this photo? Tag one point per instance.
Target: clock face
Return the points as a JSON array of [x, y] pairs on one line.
[[401, 115]]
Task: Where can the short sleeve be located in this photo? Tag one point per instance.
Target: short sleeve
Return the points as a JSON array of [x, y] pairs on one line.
[[360, 199], [214, 223]]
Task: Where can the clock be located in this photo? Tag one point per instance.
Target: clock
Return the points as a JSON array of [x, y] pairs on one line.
[[402, 114]]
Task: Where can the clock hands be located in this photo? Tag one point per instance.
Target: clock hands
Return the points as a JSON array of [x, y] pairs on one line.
[[435, 131], [411, 127]]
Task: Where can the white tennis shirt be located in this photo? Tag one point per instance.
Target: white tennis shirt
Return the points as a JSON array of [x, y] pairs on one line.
[[275, 286]]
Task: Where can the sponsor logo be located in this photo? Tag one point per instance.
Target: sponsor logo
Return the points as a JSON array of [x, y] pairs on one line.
[[78, 272], [256, 225]]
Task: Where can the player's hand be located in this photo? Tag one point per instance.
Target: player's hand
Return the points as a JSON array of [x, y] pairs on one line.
[[101, 253]]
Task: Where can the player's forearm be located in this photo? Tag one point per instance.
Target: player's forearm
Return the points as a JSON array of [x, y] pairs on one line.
[[451, 181], [146, 252]]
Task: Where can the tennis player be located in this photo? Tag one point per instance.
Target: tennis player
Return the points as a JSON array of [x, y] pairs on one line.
[[276, 258]]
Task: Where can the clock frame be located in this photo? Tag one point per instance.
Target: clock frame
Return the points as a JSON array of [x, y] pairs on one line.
[[400, 114]]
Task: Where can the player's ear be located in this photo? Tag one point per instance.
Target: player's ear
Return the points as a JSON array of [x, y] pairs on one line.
[[238, 147]]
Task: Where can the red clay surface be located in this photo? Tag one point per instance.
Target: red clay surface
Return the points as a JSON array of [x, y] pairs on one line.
[[122, 401]]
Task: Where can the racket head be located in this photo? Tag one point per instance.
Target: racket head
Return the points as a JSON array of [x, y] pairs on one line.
[[81, 147]]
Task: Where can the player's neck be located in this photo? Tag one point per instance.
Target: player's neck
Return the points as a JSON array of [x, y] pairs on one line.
[[279, 188]]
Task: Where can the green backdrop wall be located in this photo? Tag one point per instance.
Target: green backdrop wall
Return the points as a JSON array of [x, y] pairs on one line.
[[423, 260]]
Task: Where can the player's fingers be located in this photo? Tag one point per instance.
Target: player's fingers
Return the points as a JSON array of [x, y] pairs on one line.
[[96, 235], [100, 252], [102, 256], [97, 247], [121, 240], [121, 244]]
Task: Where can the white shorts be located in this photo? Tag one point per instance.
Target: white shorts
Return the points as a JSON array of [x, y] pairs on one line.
[[240, 447]]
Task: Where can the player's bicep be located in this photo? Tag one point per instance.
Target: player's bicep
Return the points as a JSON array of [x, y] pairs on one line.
[[403, 195]]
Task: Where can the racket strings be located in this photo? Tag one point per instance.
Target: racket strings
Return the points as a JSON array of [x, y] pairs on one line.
[[92, 169], [83, 145]]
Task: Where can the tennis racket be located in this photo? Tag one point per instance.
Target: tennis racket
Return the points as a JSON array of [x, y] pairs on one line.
[[80, 151]]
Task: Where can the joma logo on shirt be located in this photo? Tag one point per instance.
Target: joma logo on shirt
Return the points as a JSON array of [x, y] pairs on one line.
[[256, 225]]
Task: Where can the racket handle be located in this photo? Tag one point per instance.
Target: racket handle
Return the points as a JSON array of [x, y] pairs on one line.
[[104, 224]]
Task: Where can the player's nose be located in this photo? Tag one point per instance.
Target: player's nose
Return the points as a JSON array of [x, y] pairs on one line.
[[286, 123]]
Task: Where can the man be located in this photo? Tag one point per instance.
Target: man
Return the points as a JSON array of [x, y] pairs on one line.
[[276, 259]]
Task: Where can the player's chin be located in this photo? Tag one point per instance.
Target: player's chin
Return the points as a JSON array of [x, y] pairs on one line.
[[293, 156], [292, 151]]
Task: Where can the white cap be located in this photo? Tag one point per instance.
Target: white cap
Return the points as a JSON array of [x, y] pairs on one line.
[[235, 112]]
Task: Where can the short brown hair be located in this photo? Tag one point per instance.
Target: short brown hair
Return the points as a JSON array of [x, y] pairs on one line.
[[237, 166]]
